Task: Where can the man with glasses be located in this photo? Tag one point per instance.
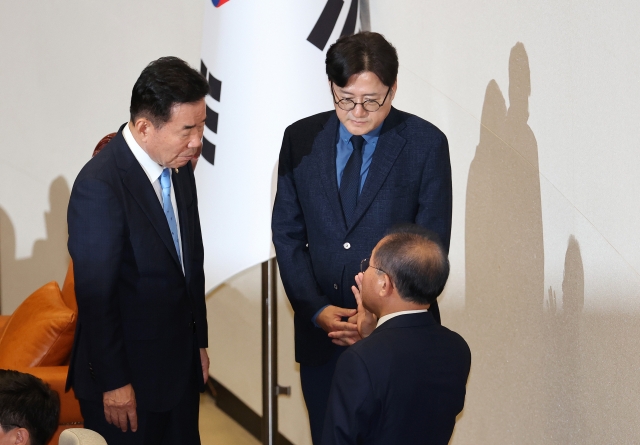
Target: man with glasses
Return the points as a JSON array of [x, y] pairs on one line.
[[29, 409], [344, 178], [405, 382]]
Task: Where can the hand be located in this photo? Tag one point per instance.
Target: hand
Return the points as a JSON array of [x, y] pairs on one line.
[[120, 405], [204, 360], [365, 320], [330, 319], [345, 338]]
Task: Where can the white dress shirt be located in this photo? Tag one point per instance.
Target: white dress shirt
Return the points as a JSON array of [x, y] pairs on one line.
[[396, 314], [153, 171]]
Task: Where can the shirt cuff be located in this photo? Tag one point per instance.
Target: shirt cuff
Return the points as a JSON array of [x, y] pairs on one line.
[[315, 316]]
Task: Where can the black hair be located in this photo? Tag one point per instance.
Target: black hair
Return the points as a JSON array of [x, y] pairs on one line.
[[27, 402], [162, 84], [364, 51], [416, 262]]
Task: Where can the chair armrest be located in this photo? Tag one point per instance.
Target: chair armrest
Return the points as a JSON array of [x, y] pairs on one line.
[[56, 377], [78, 436], [3, 321]]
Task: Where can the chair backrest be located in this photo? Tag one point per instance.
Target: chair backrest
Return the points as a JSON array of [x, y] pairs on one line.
[[68, 289], [80, 436], [104, 141]]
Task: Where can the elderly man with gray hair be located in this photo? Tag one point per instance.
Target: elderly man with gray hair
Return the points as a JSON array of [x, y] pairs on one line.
[[405, 382]]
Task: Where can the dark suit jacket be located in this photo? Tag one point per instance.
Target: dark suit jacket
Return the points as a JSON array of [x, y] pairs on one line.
[[404, 384], [136, 309], [409, 180]]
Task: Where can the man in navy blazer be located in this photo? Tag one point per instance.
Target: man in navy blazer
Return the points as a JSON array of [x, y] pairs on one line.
[[405, 382], [139, 357], [344, 178]]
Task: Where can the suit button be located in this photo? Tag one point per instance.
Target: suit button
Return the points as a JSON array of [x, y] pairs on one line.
[[346, 246], [335, 286]]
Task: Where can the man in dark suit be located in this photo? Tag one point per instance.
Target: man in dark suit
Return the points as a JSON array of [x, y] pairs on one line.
[[139, 357], [405, 382], [344, 178]]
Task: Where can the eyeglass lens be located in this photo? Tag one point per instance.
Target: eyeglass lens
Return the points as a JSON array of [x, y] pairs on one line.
[[368, 105]]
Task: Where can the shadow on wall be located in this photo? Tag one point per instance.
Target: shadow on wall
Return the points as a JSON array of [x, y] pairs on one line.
[[505, 268], [524, 385], [49, 259], [563, 351]]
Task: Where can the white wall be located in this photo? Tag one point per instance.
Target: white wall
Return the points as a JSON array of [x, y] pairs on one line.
[[529, 173]]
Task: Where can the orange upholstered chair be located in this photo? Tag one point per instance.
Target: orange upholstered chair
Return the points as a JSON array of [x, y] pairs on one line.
[[37, 339]]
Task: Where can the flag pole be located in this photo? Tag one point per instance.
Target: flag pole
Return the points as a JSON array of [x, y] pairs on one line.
[[365, 15], [270, 388]]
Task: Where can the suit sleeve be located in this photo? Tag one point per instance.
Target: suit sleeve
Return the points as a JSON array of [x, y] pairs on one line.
[[290, 240], [353, 413], [96, 239], [197, 287], [435, 200]]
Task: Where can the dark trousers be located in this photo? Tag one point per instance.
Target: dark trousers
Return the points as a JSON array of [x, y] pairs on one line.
[[316, 383], [178, 426]]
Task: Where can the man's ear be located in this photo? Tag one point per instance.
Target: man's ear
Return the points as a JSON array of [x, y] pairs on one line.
[[386, 285], [394, 88], [143, 127], [21, 436], [333, 94]]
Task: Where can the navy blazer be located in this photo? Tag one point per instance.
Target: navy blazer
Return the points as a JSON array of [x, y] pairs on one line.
[[409, 181], [137, 311], [404, 384]]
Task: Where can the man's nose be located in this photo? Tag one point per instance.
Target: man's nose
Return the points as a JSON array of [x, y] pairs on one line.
[[195, 143], [359, 110]]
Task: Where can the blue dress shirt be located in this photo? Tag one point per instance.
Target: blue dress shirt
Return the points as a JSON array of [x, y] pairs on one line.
[[344, 148]]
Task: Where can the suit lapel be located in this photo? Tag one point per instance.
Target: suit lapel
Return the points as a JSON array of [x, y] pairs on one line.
[[181, 203], [389, 146], [325, 143], [137, 182]]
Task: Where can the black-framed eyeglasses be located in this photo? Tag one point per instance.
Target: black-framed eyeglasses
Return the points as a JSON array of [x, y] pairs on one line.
[[364, 265], [370, 105]]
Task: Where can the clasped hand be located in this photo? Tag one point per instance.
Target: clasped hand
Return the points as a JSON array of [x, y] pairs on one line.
[[360, 324]]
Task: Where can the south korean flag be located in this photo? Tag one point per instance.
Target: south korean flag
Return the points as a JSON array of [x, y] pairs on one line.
[[264, 61]]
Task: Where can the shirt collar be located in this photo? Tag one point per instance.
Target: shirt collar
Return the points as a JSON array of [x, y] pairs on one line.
[[395, 314], [370, 137], [150, 167]]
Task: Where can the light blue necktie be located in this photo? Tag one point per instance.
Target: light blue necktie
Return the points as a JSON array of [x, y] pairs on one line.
[[165, 182]]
